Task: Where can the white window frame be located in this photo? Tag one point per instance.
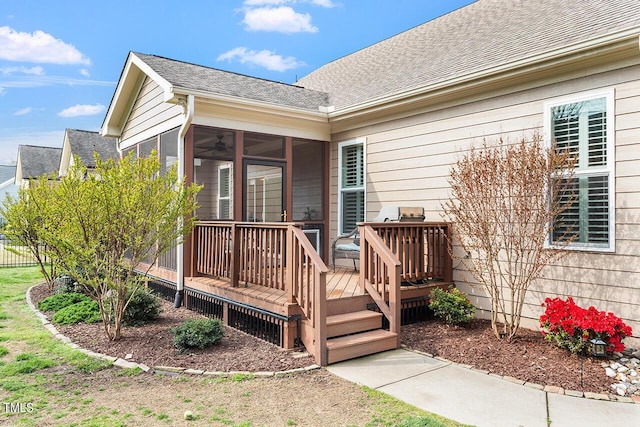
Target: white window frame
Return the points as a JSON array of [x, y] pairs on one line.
[[358, 141], [230, 189], [609, 169]]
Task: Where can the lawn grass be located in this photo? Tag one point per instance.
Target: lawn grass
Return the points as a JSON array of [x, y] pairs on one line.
[[48, 382]]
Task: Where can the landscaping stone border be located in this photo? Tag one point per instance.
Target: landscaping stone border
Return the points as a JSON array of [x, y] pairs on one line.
[[164, 370]]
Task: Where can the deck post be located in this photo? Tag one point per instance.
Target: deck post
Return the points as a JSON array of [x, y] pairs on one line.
[[235, 256], [363, 257], [448, 261], [290, 265]]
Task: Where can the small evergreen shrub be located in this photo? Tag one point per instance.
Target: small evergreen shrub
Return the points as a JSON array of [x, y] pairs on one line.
[[143, 308], [197, 333], [85, 311], [59, 301], [452, 305]]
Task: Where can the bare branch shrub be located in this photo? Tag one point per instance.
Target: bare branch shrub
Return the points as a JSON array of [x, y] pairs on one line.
[[504, 201]]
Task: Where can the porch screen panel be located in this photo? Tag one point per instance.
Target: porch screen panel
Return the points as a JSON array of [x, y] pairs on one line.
[[308, 174]]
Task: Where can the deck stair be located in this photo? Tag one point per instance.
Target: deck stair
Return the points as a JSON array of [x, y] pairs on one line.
[[355, 334]]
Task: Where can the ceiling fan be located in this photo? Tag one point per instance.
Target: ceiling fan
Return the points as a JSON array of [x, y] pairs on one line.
[[219, 150]]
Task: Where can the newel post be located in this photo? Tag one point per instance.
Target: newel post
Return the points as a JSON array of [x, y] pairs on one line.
[[290, 260], [448, 261], [234, 247]]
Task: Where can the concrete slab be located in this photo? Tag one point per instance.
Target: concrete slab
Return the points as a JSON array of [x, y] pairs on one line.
[[472, 398], [385, 368], [572, 411]]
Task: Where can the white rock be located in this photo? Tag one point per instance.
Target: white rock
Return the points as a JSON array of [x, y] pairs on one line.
[[621, 391], [622, 369], [624, 360], [635, 360], [128, 356], [633, 373], [610, 372], [623, 378], [615, 365]]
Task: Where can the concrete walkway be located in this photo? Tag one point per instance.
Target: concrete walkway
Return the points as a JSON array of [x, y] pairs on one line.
[[475, 398]]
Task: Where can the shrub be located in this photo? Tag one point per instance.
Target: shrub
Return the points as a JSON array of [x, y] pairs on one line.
[[571, 327], [452, 306], [85, 311], [59, 301], [143, 307], [197, 333]]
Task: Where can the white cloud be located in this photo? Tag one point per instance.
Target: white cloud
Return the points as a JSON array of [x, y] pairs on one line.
[[264, 58], [82, 110], [39, 47], [36, 71], [85, 72], [23, 111], [281, 19], [10, 138], [324, 3], [2, 91], [39, 81], [267, 2]]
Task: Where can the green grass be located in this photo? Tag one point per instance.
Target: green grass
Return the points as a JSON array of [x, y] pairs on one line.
[[39, 369]]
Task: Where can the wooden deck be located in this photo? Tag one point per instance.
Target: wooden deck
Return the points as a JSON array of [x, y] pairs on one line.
[[341, 284]]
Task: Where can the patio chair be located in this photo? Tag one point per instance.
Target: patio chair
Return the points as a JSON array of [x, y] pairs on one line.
[[349, 249]]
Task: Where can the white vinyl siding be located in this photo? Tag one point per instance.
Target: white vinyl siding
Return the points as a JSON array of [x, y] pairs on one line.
[[582, 127], [351, 185]]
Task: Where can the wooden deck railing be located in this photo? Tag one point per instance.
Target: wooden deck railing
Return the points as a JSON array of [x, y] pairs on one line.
[[421, 247], [380, 273], [307, 287], [243, 252]]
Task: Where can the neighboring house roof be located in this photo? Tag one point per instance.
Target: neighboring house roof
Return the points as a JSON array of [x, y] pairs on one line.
[[34, 161], [7, 182], [84, 143], [480, 36], [191, 77]]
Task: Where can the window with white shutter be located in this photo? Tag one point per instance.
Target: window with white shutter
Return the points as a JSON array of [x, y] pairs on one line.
[[583, 126], [351, 185], [224, 192]]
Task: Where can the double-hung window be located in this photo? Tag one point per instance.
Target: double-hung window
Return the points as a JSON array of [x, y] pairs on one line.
[[351, 185], [583, 127]]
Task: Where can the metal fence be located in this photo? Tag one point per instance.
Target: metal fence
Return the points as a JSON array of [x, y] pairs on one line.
[[14, 255]]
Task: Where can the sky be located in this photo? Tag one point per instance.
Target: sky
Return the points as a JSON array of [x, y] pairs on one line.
[[60, 60]]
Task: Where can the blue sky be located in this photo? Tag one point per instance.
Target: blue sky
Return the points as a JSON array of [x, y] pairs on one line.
[[60, 60]]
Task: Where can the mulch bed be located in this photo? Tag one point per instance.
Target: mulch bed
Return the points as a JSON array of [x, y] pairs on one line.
[[528, 357]]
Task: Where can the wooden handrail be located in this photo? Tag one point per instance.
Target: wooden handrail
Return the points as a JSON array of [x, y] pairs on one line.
[[307, 286], [380, 276]]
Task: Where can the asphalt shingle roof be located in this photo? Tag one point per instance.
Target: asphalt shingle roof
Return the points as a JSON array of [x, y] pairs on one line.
[[37, 161], [480, 36], [200, 78], [84, 143]]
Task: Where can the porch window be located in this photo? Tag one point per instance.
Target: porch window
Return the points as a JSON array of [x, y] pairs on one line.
[[583, 126], [224, 192], [351, 185]]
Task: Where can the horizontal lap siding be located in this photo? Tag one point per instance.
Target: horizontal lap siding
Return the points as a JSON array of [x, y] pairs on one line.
[[149, 110], [408, 163]]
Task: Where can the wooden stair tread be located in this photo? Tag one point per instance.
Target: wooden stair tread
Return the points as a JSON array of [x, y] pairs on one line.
[[360, 338], [353, 316]]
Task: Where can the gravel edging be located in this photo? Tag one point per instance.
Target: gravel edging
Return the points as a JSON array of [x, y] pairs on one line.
[[546, 389], [163, 370]]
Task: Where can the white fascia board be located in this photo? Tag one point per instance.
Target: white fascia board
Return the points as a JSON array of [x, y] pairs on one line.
[[253, 105], [630, 35]]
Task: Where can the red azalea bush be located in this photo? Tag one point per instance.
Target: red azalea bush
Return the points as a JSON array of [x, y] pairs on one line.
[[571, 326]]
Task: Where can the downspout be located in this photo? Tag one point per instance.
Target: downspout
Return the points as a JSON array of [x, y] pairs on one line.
[[188, 112]]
